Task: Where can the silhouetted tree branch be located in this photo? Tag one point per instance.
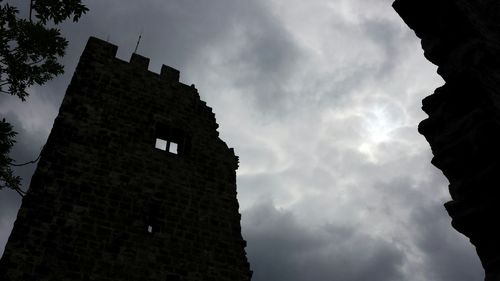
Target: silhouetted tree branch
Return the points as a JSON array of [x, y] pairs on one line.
[[29, 53]]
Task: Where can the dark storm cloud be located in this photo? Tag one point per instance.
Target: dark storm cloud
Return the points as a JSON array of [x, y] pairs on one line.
[[450, 256], [350, 208], [171, 30], [265, 62], [444, 254], [388, 37], [282, 248]]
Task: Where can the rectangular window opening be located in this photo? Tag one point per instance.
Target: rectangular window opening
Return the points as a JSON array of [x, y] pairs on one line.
[[172, 148], [172, 140], [150, 229], [161, 144]]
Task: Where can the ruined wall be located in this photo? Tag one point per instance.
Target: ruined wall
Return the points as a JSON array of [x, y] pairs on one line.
[[462, 37], [105, 204]]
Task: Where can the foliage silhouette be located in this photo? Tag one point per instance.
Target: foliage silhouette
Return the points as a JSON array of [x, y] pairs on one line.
[[29, 53]]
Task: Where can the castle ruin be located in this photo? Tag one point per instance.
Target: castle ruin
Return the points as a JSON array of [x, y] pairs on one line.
[[134, 183]]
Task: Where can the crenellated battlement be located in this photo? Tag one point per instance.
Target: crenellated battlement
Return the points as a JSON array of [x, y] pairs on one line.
[[105, 52]]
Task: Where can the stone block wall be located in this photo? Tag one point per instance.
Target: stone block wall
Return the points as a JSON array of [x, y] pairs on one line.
[[105, 204]]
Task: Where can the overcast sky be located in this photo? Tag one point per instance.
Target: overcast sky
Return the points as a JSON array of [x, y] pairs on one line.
[[321, 101]]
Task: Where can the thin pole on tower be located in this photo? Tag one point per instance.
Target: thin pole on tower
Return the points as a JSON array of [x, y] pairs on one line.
[[31, 8], [138, 41]]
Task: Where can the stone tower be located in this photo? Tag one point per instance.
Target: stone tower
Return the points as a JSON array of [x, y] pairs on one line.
[[133, 184], [463, 39]]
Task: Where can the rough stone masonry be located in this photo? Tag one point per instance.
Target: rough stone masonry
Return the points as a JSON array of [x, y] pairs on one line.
[[462, 37], [133, 184]]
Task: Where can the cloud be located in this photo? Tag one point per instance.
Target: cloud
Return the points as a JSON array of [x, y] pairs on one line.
[[283, 249], [435, 239], [321, 101], [9, 204]]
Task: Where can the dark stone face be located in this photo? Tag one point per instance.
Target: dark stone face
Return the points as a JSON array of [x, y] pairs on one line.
[[463, 39], [133, 184]]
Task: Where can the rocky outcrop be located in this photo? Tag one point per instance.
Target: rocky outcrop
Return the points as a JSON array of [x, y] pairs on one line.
[[462, 38]]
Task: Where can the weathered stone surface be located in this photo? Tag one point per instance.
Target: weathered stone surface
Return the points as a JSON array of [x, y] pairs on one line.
[[105, 204], [462, 37]]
